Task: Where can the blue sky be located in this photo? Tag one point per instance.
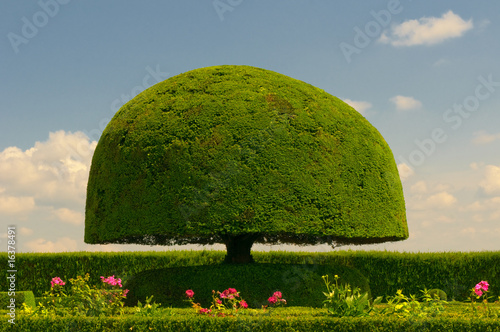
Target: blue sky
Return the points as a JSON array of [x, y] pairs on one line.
[[425, 74]]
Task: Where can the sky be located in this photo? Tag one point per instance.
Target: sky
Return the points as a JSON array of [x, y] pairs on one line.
[[424, 73]]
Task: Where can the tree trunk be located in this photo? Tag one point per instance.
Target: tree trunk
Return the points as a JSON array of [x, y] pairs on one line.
[[238, 248]]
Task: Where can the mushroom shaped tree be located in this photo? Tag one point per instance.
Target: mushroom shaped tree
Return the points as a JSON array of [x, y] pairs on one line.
[[241, 155]]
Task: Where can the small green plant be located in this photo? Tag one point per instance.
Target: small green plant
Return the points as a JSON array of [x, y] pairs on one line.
[[404, 306], [148, 310], [342, 300]]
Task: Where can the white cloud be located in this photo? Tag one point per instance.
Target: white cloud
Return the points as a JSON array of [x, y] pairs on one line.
[[427, 202], [468, 230], [441, 62], [419, 188], [360, 106], [69, 216], [427, 30], [482, 137], [441, 200], [25, 231], [51, 172], [491, 181], [405, 171], [483, 24], [445, 219], [404, 103], [11, 205], [43, 245]]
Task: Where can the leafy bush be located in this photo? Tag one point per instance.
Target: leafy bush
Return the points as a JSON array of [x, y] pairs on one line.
[[343, 300]]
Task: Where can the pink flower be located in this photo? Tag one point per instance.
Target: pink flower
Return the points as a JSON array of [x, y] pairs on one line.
[[243, 304], [57, 281], [218, 301], [480, 287], [272, 300], [484, 285], [125, 292], [112, 281], [205, 311], [229, 293], [277, 295], [189, 293]]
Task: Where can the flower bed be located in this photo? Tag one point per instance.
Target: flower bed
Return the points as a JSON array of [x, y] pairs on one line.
[[80, 307]]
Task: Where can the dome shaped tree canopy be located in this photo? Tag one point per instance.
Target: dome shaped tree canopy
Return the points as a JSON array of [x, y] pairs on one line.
[[237, 155]]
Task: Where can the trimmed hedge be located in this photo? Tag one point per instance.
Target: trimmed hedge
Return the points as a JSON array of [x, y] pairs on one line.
[[454, 272], [249, 323], [227, 151], [20, 297], [301, 284]]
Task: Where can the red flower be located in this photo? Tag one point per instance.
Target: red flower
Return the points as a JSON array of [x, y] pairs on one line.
[[189, 293], [205, 311], [243, 304], [272, 300]]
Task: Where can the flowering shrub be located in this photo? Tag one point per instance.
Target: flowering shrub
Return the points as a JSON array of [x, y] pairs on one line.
[[223, 304], [81, 299], [276, 299], [480, 287], [56, 281], [477, 293]]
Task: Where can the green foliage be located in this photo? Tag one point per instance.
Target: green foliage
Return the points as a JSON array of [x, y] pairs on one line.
[[346, 301], [231, 150], [401, 305], [20, 297], [301, 283], [438, 294], [148, 309]]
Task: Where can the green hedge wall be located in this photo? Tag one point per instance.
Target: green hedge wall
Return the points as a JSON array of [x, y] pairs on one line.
[[301, 284], [454, 272]]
